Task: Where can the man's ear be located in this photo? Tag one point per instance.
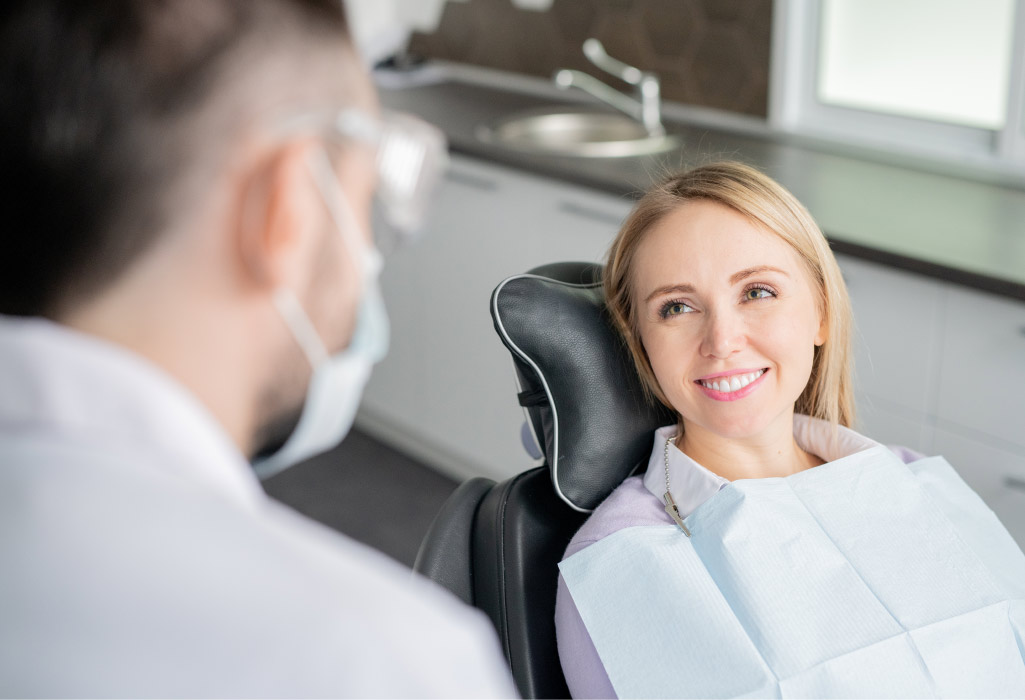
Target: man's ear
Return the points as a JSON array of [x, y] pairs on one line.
[[278, 218]]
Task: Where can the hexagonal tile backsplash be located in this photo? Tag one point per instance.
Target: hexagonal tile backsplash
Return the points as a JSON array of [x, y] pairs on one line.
[[713, 53]]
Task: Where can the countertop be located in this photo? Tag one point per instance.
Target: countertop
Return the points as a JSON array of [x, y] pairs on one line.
[[962, 230]]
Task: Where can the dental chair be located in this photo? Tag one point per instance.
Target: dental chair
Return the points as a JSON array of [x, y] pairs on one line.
[[497, 546]]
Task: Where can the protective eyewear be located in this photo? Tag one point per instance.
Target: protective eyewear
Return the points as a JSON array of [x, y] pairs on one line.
[[411, 158]]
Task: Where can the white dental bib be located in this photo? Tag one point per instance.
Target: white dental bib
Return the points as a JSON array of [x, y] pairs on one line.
[[862, 577]]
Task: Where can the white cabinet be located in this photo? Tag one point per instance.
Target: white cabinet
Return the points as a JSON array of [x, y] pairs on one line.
[[446, 392], [997, 475], [983, 370], [896, 350], [893, 424], [941, 369]]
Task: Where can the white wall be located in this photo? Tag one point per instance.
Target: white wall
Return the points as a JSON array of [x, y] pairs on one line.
[[381, 27]]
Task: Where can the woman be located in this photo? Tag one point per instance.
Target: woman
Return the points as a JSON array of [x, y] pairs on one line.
[[770, 550]]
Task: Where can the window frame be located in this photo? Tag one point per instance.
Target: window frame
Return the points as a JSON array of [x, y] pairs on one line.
[[794, 106]]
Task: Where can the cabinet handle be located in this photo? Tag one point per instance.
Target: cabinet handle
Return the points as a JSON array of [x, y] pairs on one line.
[[588, 213], [1013, 482], [470, 180]]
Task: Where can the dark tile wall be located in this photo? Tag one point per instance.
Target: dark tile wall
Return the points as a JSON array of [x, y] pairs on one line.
[[713, 53]]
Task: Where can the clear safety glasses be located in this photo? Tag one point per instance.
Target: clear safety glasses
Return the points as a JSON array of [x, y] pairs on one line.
[[411, 157]]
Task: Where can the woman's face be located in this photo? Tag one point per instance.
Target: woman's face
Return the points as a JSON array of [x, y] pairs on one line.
[[728, 316]]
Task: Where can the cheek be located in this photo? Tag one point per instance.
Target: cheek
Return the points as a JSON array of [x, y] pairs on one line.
[[671, 354], [788, 340]]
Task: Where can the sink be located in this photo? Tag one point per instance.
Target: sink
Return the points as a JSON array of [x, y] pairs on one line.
[[576, 133]]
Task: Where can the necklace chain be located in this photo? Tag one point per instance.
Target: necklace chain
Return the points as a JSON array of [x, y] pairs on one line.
[[669, 442], [671, 508]]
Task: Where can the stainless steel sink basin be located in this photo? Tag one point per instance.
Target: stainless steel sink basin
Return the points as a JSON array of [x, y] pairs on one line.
[[576, 133]]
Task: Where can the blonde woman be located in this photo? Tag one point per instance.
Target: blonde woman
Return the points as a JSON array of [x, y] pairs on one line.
[[769, 549]]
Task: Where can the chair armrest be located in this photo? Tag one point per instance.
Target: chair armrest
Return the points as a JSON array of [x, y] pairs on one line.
[[446, 553]]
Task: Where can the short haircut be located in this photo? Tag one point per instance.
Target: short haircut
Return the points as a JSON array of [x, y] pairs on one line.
[[829, 394], [99, 102]]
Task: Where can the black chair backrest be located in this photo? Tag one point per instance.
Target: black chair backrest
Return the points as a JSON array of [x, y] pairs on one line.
[[498, 546], [578, 383]]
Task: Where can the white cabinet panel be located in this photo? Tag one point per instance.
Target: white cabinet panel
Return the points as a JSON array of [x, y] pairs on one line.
[[897, 322], [446, 391], [997, 475], [983, 367], [893, 425]]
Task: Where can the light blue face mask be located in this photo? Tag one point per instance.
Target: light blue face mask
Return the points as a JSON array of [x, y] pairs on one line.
[[336, 385]]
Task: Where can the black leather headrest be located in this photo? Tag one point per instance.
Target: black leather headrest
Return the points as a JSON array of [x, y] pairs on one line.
[[578, 383]]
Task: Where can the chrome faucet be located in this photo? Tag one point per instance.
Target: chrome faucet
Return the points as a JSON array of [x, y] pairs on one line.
[[646, 104]]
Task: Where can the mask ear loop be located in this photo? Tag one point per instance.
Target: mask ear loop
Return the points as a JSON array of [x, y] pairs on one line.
[[301, 326], [371, 323], [338, 207], [284, 299]]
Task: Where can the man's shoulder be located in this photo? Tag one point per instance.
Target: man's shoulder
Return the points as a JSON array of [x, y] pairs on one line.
[[629, 505]]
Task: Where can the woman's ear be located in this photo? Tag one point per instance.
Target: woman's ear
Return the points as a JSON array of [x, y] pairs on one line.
[[823, 334], [277, 219]]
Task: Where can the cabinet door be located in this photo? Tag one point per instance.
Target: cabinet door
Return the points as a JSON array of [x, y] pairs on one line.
[[892, 424], [446, 392], [995, 473], [983, 370], [896, 335]]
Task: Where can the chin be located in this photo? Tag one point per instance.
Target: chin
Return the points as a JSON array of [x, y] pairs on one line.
[[736, 428], [733, 422]]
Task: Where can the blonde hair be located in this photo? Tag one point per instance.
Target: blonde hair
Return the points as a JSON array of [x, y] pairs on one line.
[[829, 393]]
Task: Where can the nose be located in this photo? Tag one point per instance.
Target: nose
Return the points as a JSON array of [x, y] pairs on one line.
[[724, 335]]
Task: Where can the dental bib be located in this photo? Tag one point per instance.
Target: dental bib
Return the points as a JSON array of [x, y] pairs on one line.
[[863, 577]]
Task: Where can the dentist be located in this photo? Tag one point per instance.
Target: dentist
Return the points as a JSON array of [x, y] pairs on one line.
[[188, 282]]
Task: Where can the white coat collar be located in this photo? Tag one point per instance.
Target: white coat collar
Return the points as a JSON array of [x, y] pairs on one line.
[[60, 384], [693, 484]]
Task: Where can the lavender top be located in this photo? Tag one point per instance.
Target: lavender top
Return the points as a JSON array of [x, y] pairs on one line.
[[638, 501]]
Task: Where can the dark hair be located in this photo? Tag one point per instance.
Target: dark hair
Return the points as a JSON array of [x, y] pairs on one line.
[[96, 99]]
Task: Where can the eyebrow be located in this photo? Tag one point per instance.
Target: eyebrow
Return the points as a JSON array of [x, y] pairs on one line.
[[744, 274], [734, 279], [670, 289]]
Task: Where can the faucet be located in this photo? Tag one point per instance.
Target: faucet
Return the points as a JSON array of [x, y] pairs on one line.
[[645, 106]]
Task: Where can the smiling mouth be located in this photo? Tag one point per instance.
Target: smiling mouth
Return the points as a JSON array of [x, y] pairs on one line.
[[728, 385]]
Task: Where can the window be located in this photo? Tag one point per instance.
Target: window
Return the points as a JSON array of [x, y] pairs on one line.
[[928, 77]]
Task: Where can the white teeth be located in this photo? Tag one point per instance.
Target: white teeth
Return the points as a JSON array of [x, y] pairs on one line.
[[734, 383]]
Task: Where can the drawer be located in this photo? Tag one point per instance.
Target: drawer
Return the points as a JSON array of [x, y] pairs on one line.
[[996, 474], [982, 370], [896, 330]]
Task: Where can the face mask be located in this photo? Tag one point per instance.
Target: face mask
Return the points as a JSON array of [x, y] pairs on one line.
[[336, 385]]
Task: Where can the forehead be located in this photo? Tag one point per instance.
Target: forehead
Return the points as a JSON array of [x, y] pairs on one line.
[[703, 243]]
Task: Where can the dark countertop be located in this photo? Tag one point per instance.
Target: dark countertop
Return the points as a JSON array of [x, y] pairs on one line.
[[966, 231]]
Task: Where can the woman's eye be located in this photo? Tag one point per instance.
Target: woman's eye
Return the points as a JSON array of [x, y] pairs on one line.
[[757, 293], [675, 308]]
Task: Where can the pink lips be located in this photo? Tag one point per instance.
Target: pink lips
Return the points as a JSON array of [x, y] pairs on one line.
[[732, 395]]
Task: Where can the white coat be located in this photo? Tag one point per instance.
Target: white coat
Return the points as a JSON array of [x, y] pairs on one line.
[[140, 557]]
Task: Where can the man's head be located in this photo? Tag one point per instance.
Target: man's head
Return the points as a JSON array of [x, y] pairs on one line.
[[155, 195], [119, 115]]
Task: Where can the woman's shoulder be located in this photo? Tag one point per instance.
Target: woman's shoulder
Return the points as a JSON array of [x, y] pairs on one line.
[[630, 505], [906, 454]]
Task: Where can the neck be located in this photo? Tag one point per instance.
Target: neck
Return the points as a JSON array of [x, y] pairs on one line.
[[773, 452], [180, 325]]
